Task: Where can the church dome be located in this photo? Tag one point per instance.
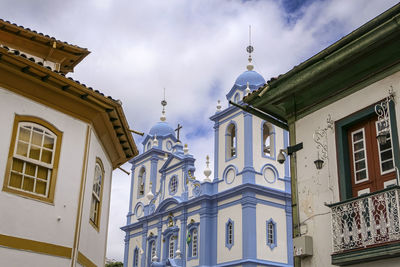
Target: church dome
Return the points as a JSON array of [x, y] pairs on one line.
[[161, 129], [250, 76]]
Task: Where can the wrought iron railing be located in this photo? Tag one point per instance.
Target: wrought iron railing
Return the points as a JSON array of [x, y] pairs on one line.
[[367, 220]]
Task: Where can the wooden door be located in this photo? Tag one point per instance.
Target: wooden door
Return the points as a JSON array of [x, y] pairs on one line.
[[371, 164]]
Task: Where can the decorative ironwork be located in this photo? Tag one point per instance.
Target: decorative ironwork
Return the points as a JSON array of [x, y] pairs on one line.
[[320, 137], [365, 221], [382, 110]]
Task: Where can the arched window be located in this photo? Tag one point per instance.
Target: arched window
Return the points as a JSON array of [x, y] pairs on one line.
[[97, 193], [136, 258], [171, 247], [34, 154], [192, 240], [231, 141], [153, 250], [173, 185], [149, 145], [141, 178], [268, 140], [229, 234], [236, 99], [194, 244], [271, 233]]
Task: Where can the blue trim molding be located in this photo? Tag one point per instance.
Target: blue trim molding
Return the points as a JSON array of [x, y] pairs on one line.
[[227, 169], [229, 234], [216, 150], [271, 167]]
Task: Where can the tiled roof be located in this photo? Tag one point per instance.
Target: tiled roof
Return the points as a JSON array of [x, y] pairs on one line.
[[45, 36]]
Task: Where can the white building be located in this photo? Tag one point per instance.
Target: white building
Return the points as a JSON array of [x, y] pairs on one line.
[[348, 204], [242, 217], [60, 142]]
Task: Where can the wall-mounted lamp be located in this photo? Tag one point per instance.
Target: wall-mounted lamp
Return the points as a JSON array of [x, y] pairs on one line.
[[382, 137], [383, 111], [319, 163], [288, 151], [320, 137]]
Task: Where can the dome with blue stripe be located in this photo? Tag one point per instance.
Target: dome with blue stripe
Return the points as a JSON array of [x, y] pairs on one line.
[[161, 129], [250, 76]]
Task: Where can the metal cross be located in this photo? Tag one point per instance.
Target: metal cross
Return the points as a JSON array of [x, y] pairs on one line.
[[177, 130]]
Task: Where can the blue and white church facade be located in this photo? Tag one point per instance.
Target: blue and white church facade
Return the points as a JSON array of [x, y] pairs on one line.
[[240, 217]]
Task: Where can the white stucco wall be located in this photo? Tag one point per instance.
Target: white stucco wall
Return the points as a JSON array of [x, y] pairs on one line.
[[318, 187], [92, 242], [235, 253], [18, 258], [264, 252], [133, 243], [55, 223], [42, 224]]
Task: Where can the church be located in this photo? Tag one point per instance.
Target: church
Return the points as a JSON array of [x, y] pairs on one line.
[[240, 217]]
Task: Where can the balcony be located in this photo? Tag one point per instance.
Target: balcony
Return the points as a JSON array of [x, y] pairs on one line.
[[366, 228]]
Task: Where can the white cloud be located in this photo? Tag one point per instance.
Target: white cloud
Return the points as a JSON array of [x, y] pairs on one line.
[[195, 49]]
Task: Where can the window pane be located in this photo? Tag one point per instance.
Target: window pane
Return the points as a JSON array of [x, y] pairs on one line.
[[22, 149], [30, 169], [358, 146], [42, 173], [360, 165], [15, 180], [387, 145], [361, 175], [48, 142], [357, 136], [28, 184], [17, 165], [387, 165], [46, 156], [40, 187], [386, 155], [37, 138], [359, 155], [24, 134], [34, 152]]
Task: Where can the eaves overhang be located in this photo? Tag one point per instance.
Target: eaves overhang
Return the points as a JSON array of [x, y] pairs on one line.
[[368, 53], [42, 46], [26, 77]]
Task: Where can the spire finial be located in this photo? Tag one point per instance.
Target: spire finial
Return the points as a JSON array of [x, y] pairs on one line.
[[163, 104], [247, 90], [250, 50], [207, 171]]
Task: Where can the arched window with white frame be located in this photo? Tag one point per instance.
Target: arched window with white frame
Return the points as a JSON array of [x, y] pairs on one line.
[[231, 141], [268, 140], [33, 162], [229, 234], [195, 242], [141, 181], [171, 247], [97, 192], [136, 257]]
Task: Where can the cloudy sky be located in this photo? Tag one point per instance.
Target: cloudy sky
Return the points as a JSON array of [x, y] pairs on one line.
[[195, 49]]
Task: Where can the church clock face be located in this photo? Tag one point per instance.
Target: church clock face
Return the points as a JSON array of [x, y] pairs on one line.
[[269, 175], [169, 145]]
